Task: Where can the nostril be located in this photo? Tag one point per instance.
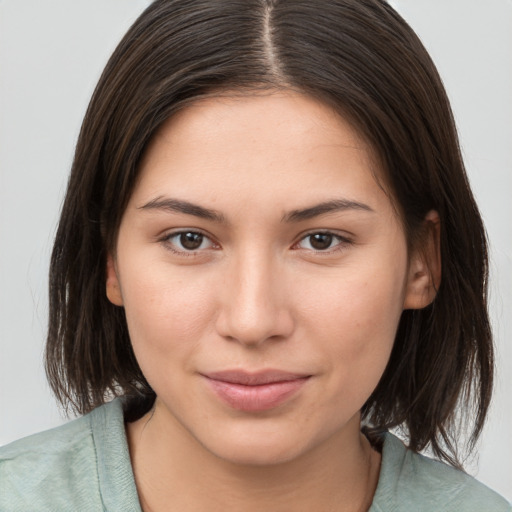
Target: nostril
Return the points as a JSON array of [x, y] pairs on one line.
[[252, 327]]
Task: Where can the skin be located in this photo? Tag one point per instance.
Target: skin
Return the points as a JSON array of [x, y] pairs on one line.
[[255, 295]]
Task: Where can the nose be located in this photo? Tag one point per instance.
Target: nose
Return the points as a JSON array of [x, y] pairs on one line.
[[255, 305]]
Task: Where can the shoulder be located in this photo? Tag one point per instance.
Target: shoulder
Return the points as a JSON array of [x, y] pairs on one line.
[[61, 469], [411, 481], [47, 470]]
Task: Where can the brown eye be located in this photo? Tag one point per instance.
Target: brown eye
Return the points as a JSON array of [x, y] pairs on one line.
[[188, 243], [321, 241], [190, 240]]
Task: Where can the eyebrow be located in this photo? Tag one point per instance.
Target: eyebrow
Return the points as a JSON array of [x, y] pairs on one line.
[[333, 206], [180, 206]]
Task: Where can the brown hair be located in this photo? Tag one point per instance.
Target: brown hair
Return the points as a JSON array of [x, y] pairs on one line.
[[356, 55]]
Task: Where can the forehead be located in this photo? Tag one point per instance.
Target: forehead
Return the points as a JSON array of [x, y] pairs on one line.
[[270, 143], [296, 116]]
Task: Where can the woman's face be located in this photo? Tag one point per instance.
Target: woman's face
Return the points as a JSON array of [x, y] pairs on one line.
[[263, 272]]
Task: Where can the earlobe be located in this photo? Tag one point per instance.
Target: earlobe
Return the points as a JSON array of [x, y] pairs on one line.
[[112, 283], [424, 275]]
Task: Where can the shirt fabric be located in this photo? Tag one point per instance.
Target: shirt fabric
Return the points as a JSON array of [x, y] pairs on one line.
[[85, 466]]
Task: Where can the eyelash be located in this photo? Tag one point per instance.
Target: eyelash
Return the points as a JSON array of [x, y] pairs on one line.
[[342, 242], [166, 240]]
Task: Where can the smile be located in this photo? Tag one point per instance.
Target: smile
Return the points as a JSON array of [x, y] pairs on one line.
[[255, 392]]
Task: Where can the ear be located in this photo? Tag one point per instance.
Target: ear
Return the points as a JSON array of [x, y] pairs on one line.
[[112, 284], [424, 275]]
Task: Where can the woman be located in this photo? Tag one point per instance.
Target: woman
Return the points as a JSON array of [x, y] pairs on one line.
[[267, 241]]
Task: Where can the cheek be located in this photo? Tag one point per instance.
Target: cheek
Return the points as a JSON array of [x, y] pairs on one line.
[[355, 324], [358, 304], [166, 314]]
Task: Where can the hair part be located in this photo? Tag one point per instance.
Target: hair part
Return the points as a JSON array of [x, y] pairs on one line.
[[363, 60]]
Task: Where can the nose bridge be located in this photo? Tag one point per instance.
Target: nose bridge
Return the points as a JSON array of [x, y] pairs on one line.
[[255, 306]]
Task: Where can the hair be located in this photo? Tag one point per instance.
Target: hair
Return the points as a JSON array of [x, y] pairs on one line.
[[357, 56]]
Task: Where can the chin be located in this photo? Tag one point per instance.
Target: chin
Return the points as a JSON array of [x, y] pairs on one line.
[[253, 453], [259, 445]]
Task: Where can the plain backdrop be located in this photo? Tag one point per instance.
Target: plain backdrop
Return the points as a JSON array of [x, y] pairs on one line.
[[51, 55]]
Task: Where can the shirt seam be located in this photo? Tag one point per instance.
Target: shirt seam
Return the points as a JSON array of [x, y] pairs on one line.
[[100, 491]]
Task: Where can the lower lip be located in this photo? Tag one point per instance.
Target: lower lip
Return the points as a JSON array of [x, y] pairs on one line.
[[256, 398]]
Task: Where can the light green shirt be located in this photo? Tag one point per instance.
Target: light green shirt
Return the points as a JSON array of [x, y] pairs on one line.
[[84, 466]]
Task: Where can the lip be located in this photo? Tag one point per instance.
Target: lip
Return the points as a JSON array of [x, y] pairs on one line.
[[255, 391]]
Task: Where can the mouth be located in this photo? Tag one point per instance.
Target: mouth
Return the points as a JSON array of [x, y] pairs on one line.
[[255, 392]]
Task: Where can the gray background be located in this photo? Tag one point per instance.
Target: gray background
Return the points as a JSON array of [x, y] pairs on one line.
[[51, 55]]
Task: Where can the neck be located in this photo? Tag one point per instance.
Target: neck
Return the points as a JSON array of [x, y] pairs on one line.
[[174, 471]]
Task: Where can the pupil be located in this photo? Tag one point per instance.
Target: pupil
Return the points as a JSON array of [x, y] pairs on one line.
[[191, 240], [321, 241]]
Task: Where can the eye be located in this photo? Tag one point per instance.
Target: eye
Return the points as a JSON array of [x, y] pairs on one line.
[[188, 241], [322, 241]]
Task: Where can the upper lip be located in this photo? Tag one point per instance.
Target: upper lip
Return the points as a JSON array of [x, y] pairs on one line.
[[257, 378]]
